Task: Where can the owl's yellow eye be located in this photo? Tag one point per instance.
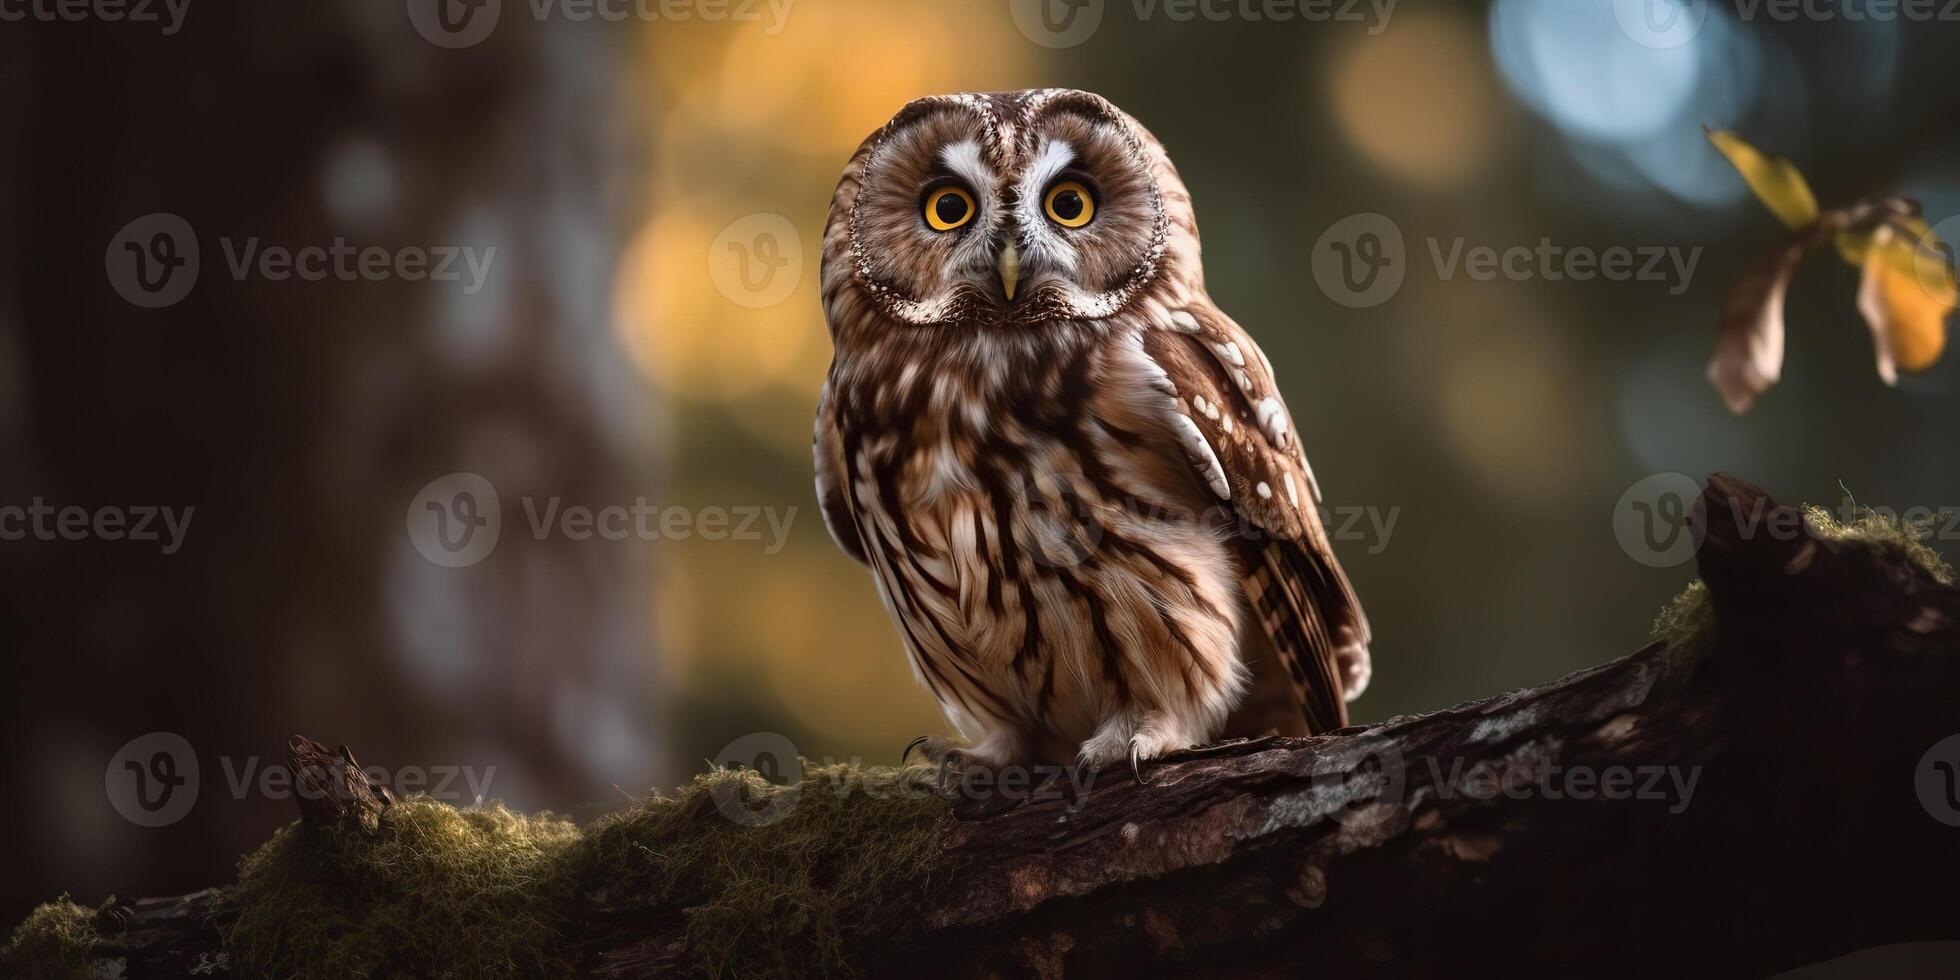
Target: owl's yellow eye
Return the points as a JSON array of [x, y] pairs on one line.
[[948, 208], [1069, 204]]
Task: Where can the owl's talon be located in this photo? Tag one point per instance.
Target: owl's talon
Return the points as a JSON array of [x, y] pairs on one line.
[[937, 750], [1136, 765]]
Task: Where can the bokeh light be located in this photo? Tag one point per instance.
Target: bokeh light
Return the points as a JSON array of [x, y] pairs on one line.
[[1420, 100]]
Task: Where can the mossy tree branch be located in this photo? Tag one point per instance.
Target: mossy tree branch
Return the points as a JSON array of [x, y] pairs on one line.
[[1750, 806]]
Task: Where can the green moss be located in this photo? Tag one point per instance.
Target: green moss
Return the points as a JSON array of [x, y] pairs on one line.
[[782, 897], [1687, 623], [1907, 539], [770, 880], [434, 891], [55, 942]]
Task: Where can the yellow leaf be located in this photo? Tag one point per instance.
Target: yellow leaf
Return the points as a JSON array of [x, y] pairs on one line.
[[1775, 181], [1910, 247], [1906, 295]]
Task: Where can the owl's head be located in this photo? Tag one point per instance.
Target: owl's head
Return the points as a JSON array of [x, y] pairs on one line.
[[1006, 208]]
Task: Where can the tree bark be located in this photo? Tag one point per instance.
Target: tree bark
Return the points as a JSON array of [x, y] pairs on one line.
[[1756, 804]]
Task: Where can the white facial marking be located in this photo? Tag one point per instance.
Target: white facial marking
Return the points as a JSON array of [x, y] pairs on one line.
[[1055, 156], [963, 158]]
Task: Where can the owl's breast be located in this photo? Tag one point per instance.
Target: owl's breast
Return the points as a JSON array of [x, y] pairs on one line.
[[1036, 566]]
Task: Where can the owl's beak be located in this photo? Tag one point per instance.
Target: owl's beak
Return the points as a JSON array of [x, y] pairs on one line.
[[1009, 266]]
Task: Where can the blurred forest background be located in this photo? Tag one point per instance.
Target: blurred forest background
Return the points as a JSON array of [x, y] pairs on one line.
[[614, 164]]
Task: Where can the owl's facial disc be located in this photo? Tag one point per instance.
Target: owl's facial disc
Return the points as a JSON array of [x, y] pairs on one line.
[[987, 218]]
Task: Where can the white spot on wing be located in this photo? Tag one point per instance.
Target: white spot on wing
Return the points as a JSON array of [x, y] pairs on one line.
[[1201, 455], [1230, 352], [1292, 493], [1183, 320], [1272, 418], [1265, 492]]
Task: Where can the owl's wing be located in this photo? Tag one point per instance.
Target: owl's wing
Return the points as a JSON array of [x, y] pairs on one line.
[[1304, 601], [827, 446]]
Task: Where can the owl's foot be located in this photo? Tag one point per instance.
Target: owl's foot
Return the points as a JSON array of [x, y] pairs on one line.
[[938, 750], [1113, 744]]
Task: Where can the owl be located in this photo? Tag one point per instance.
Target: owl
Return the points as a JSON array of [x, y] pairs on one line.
[[1072, 476]]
